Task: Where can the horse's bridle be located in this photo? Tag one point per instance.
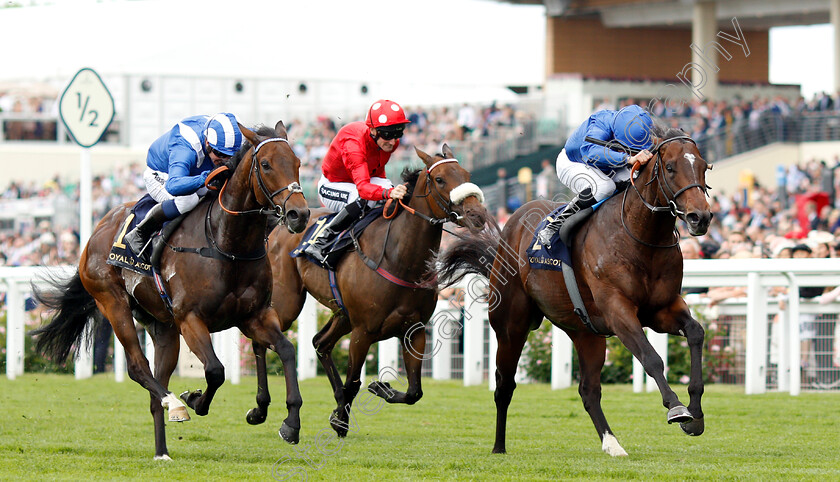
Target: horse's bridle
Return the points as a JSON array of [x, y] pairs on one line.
[[276, 210], [446, 205], [670, 195]]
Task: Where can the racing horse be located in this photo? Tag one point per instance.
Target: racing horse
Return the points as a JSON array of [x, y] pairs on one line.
[[628, 268], [231, 287], [390, 297]]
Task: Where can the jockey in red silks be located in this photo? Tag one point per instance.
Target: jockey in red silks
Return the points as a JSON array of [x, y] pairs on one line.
[[591, 170], [353, 171]]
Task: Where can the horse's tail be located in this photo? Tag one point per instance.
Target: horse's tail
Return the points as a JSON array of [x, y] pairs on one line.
[[470, 254], [74, 307]]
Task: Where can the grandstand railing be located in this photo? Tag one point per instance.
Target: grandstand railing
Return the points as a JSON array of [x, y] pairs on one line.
[[461, 345]]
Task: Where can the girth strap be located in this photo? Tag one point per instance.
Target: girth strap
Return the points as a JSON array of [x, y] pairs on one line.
[[577, 300]]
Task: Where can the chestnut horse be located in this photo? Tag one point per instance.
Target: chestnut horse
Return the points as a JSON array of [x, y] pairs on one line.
[[208, 294], [377, 308], [628, 268]]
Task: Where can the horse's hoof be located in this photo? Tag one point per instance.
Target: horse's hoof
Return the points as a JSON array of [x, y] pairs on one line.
[[179, 414], [337, 425], [611, 446], [679, 414], [289, 434], [497, 450], [255, 416], [381, 389], [163, 457], [190, 398], [694, 427]]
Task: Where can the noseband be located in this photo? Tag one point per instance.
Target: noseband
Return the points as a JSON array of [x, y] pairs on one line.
[[460, 193]]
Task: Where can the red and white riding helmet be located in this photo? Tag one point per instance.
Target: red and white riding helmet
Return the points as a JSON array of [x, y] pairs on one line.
[[385, 112]]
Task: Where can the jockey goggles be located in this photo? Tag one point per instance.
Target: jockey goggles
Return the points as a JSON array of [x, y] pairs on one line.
[[390, 133], [220, 155]]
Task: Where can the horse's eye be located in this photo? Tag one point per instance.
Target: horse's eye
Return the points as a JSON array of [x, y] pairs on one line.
[[439, 180], [669, 168], [265, 165]]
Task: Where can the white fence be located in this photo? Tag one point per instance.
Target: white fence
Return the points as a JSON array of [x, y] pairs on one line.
[[460, 345]]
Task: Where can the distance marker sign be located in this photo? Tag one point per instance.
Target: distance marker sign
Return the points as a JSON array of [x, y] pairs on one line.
[[86, 107]]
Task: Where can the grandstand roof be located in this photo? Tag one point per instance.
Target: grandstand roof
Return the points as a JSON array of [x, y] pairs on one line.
[[751, 14]]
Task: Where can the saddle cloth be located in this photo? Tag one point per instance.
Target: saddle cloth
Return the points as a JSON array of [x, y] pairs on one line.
[[122, 257], [342, 242], [552, 258]]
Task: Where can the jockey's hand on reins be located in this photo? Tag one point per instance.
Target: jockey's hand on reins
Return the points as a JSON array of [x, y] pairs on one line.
[[642, 157]]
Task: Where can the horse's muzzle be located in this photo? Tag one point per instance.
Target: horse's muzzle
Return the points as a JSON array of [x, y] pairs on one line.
[[698, 222], [296, 219]]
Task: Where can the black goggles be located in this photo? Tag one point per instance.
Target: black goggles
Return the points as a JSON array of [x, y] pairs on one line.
[[390, 134], [219, 154]]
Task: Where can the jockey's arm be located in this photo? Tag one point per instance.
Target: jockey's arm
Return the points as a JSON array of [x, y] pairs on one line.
[[600, 156], [180, 182]]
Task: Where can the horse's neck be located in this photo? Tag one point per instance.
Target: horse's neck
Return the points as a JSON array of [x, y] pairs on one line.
[[656, 228], [239, 233], [413, 239]]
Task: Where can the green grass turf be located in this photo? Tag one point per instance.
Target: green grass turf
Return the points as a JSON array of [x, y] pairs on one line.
[[54, 427]]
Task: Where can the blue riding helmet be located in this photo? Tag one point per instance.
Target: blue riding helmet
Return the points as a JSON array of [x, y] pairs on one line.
[[632, 127], [223, 134]]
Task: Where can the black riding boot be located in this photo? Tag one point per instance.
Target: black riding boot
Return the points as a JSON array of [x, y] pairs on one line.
[[581, 201], [137, 238], [341, 221]]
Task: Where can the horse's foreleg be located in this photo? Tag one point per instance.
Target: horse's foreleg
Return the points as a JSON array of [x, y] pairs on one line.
[[337, 326], [695, 335], [258, 414], [290, 430], [591, 354], [359, 346], [197, 336], [414, 347], [628, 328]]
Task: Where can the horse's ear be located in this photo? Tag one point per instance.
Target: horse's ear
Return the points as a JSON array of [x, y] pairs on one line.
[[280, 128], [427, 159], [248, 134], [447, 152]]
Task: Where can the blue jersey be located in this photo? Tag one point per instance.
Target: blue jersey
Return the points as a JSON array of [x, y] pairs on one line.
[[599, 126], [180, 153]]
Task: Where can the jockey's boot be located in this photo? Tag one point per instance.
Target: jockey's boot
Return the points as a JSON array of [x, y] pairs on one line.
[[137, 238], [341, 221], [581, 201]]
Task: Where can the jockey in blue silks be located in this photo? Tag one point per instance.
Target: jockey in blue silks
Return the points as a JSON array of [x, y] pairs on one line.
[[178, 164], [590, 170]]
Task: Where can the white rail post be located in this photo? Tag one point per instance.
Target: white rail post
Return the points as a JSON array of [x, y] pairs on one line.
[[492, 350], [561, 359], [150, 351], [638, 376], [388, 352], [307, 366], [473, 332], [780, 332], [659, 341], [446, 325], [84, 354], [15, 341], [119, 360], [794, 340], [755, 370]]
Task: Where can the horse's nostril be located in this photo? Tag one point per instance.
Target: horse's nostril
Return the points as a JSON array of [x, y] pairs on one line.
[[292, 215]]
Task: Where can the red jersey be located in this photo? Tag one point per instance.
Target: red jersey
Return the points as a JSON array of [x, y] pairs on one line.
[[354, 157]]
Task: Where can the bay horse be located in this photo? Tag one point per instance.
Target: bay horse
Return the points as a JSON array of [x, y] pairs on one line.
[[395, 300], [628, 267], [229, 288]]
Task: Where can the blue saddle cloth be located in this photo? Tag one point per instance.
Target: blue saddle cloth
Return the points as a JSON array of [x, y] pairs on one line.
[[120, 255], [341, 244], [553, 258]]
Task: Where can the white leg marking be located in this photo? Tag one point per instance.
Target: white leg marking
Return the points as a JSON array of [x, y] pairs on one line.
[[611, 446], [177, 410], [162, 457]]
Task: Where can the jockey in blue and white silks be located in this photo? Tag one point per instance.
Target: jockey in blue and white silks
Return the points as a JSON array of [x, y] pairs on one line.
[[178, 163], [591, 170]]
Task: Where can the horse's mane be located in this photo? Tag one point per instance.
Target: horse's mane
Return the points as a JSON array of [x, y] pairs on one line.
[[663, 132], [262, 131], [410, 177]]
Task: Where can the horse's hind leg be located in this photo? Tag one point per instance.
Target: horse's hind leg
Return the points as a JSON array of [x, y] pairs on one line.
[[511, 334], [167, 342], [414, 348], [591, 354], [197, 336], [359, 346]]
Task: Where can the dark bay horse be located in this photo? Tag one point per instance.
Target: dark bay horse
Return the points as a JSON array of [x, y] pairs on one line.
[[628, 268], [376, 308], [209, 294]]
